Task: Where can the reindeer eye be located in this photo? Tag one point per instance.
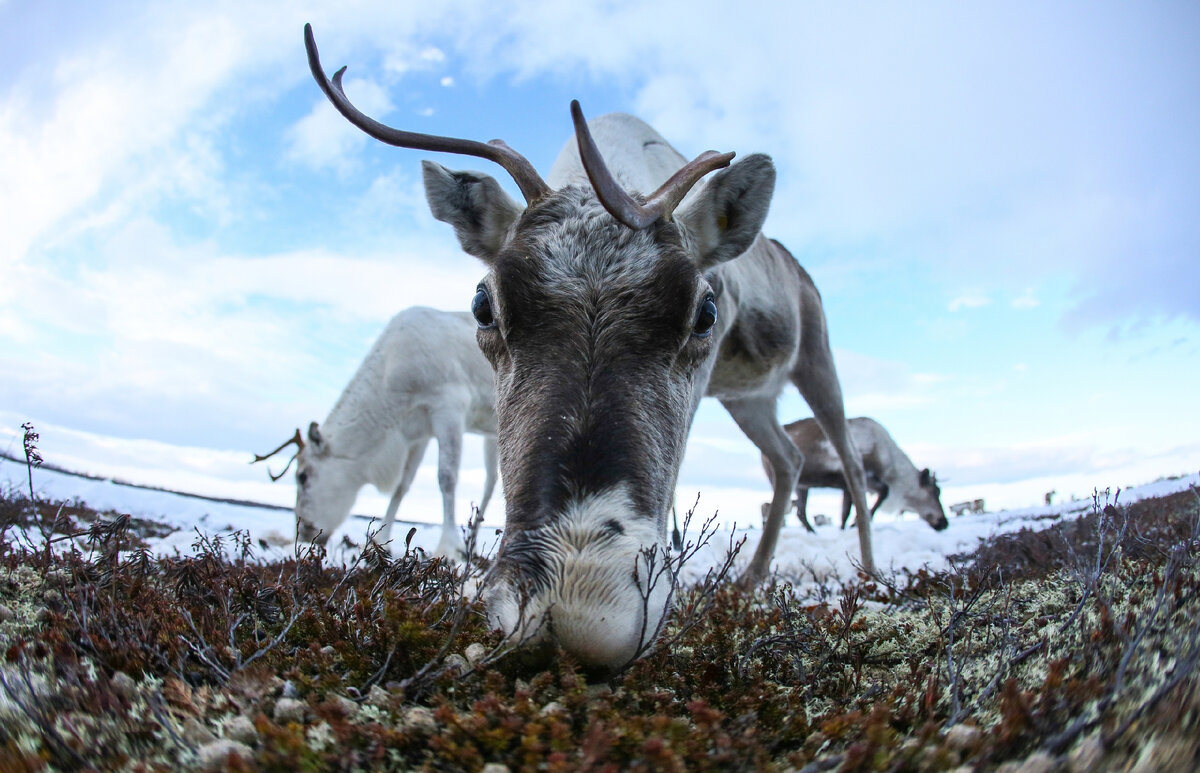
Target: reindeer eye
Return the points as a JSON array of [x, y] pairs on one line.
[[481, 309], [706, 317], [301, 477]]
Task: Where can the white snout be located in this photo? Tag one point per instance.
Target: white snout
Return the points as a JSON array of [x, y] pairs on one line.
[[605, 598]]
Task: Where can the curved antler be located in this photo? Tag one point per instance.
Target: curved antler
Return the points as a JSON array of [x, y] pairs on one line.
[[617, 200], [532, 185], [297, 439]]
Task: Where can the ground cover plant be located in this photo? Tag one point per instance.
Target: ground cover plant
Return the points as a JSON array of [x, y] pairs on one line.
[[1071, 648]]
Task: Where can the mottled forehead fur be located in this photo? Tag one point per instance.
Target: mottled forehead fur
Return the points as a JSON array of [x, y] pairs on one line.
[[567, 246]]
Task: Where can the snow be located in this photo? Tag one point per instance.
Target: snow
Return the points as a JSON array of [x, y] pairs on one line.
[[829, 555]]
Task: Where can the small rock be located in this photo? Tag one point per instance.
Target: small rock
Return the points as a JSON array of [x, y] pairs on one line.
[[195, 733], [289, 710], [123, 684], [421, 719], [6, 614], [348, 707], [289, 690], [240, 729], [1039, 762], [328, 651], [215, 755], [963, 737], [457, 661], [474, 652], [553, 707], [494, 767], [598, 690], [378, 697], [1086, 755]]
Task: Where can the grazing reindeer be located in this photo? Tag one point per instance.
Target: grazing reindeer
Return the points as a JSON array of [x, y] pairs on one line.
[[973, 506], [890, 473], [608, 316], [424, 378]]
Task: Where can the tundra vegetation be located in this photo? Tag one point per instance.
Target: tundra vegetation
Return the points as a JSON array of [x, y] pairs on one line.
[[1072, 648]]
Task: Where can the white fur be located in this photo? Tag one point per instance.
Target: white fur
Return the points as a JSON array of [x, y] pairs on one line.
[[424, 378], [593, 606]]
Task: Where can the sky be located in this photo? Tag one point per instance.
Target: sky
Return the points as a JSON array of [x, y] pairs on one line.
[[998, 202]]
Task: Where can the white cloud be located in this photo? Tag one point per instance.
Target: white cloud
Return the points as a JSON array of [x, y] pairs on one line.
[[969, 301], [323, 139], [1026, 300], [106, 107]]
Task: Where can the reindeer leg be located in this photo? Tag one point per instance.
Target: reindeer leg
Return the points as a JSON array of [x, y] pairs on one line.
[[802, 506], [845, 507], [489, 463], [756, 418], [883, 492], [412, 461], [449, 432], [816, 378]]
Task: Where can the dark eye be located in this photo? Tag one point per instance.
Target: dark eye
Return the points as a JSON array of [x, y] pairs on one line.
[[301, 477], [481, 309], [706, 317]]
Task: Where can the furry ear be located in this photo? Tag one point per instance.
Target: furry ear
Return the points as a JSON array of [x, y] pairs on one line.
[[727, 215], [481, 213], [925, 477], [314, 436]]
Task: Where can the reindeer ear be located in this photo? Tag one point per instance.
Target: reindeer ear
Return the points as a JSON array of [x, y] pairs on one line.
[[481, 213], [314, 436], [728, 214], [924, 481]]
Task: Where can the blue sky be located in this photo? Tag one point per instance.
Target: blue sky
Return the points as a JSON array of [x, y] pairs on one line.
[[998, 202]]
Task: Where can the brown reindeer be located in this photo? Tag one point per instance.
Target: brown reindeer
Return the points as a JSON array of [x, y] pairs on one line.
[[891, 475]]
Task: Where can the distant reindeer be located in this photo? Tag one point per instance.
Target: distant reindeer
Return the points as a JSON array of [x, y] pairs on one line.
[[972, 506], [890, 473], [424, 378], [608, 315], [1050, 496]]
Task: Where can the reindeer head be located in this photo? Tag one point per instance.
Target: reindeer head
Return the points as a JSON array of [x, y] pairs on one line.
[[602, 328], [931, 510], [325, 485]]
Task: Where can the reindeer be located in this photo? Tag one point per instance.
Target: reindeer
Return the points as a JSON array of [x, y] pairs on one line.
[[972, 506], [890, 473], [424, 378], [608, 316]]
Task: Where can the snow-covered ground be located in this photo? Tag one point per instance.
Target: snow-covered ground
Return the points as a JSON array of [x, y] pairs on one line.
[[830, 554]]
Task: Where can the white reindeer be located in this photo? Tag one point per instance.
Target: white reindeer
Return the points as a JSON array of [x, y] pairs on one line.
[[608, 316], [890, 473], [424, 378]]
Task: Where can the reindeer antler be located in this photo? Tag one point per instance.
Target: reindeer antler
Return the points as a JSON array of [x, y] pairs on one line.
[[532, 185], [617, 200], [297, 439]]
